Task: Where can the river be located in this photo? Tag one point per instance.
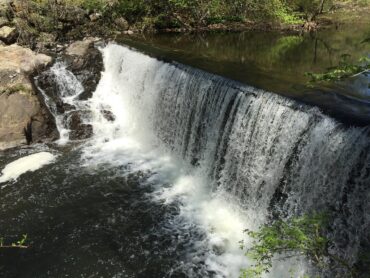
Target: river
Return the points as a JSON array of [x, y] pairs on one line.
[[189, 161]]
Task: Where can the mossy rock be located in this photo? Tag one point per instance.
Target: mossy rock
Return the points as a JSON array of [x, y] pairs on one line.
[[17, 88]]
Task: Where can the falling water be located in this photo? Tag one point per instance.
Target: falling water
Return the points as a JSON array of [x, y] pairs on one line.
[[235, 157], [67, 88]]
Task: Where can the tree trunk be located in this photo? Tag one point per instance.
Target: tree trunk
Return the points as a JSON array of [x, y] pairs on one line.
[[321, 8]]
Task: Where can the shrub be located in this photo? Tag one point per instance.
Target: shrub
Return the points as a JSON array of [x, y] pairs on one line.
[[298, 236]]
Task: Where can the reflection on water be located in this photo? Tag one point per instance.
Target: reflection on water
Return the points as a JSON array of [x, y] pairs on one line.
[[276, 62]]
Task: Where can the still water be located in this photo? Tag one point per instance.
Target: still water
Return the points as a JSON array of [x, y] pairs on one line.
[[277, 62]]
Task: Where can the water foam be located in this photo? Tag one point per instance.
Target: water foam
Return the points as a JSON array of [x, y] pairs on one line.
[[25, 164]]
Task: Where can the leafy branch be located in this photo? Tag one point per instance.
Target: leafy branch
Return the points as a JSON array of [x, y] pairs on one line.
[[297, 237], [19, 244], [342, 71]]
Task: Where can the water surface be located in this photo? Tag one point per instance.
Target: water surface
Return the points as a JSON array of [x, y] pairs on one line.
[[276, 62]]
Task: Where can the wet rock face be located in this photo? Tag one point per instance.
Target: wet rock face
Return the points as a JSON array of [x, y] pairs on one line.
[[108, 115], [79, 130], [86, 62], [20, 104]]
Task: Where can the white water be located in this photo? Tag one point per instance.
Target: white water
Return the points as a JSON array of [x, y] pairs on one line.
[[68, 88], [231, 154], [26, 164], [131, 139]]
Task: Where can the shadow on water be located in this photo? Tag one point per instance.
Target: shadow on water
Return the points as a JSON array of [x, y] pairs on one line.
[[276, 62]]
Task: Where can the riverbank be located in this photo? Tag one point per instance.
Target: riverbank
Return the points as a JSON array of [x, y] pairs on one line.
[[42, 25]]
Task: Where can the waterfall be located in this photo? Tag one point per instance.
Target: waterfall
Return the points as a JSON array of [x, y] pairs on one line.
[[246, 155], [65, 89]]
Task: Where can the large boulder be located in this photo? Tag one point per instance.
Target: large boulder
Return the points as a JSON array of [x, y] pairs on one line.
[[20, 105]]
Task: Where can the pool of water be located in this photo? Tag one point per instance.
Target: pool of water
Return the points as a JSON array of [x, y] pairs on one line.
[[94, 219]]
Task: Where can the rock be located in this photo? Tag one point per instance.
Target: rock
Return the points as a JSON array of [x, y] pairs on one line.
[[8, 34], [310, 26], [18, 5], [45, 41], [86, 62], [19, 102], [121, 23], [95, 17], [79, 130], [128, 32], [3, 21], [80, 48], [108, 115], [72, 15], [3, 7], [21, 60]]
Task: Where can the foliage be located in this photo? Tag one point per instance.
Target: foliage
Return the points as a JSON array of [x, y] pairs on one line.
[[188, 14], [94, 5], [299, 236], [309, 8], [194, 13], [18, 244], [344, 70]]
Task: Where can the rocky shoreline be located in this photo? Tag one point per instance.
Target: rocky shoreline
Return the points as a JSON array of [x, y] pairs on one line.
[[22, 107], [24, 115]]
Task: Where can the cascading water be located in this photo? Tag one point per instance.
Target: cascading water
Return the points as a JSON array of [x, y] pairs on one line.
[[66, 92], [235, 156], [180, 163]]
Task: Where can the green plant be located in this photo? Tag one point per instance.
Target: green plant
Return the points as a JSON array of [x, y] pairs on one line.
[[310, 9], [92, 5], [343, 70], [18, 244], [298, 236], [15, 88]]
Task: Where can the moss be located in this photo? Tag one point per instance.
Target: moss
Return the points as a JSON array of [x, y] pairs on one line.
[[15, 89]]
